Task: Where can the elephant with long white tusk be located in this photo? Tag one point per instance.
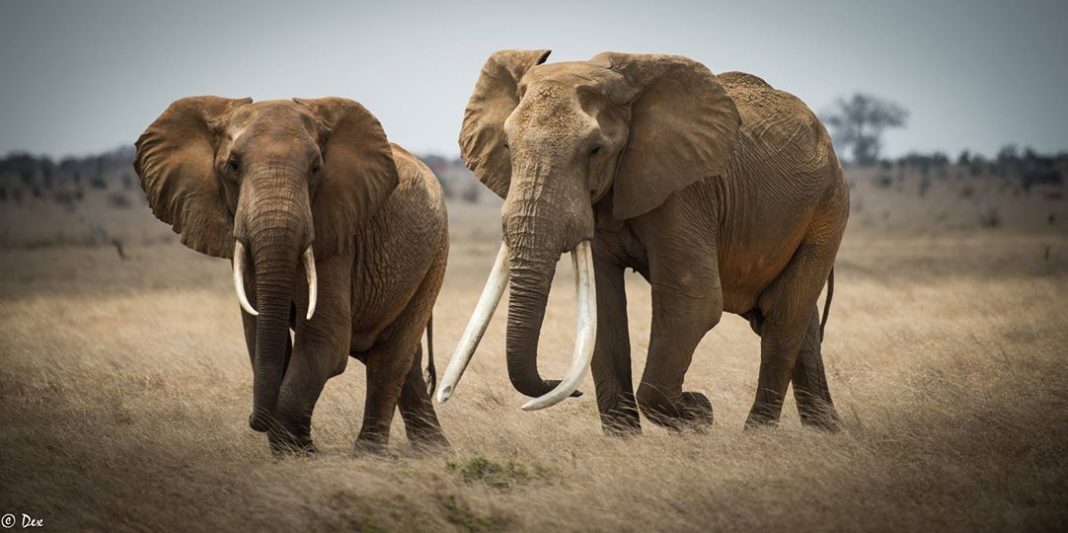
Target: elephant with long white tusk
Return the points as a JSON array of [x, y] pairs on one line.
[[721, 191], [586, 311], [309, 200]]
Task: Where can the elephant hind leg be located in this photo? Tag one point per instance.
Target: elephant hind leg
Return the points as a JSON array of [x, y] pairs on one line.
[[810, 382], [787, 307], [394, 372], [811, 392], [389, 362], [420, 420]]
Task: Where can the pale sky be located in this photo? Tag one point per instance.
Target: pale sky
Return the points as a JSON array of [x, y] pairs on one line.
[[78, 77]]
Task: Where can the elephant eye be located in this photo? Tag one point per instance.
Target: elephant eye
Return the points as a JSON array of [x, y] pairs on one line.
[[316, 168], [595, 150], [233, 164]]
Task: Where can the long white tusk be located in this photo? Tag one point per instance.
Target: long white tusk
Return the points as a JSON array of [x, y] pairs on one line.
[[313, 281], [586, 335], [476, 327], [239, 278]]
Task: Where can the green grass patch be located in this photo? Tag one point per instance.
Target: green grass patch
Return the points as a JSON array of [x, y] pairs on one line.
[[491, 473]]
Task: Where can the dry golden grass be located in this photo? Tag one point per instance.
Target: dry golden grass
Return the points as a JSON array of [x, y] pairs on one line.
[[125, 390]]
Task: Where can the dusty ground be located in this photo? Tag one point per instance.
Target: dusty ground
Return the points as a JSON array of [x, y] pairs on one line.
[[125, 390]]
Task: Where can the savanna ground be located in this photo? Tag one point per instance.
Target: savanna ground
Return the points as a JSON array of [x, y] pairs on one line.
[[125, 391]]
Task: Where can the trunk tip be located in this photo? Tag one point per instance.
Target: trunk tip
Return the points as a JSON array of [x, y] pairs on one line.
[[258, 423]]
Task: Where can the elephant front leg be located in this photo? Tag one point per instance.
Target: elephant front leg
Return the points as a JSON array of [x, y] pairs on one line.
[[316, 358], [249, 323], [320, 351], [611, 354], [687, 302]]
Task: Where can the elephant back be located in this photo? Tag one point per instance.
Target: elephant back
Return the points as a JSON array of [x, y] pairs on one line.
[[777, 126]]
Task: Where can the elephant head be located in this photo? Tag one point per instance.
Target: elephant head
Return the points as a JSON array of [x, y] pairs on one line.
[[554, 140], [269, 184]]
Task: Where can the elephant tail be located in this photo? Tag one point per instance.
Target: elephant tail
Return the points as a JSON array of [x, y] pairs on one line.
[[826, 304], [431, 370]]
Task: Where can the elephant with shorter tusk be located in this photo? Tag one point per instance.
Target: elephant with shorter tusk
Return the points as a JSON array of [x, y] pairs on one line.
[[721, 191], [339, 241]]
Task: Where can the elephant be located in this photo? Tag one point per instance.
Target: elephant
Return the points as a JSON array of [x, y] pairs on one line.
[[724, 193], [288, 188]]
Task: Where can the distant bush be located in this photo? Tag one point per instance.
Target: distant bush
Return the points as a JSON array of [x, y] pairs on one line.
[[1021, 170], [470, 194], [67, 198], [925, 184], [991, 219], [119, 200], [1041, 176]]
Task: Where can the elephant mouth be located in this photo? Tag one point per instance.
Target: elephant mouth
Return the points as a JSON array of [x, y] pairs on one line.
[[586, 332], [308, 259]]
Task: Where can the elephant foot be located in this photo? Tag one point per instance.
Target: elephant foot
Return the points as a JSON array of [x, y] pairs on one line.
[[821, 416], [693, 411], [370, 444], [287, 445], [261, 423], [619, 418], [696, 410], [429, 444], [761, 418], [621, 426]]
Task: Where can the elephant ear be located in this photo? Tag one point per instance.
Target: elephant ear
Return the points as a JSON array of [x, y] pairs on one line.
[[176, 163], [359, 173], [683, 129], [482, 135]]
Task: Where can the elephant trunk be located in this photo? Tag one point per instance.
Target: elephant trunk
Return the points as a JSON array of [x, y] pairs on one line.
[[531, 277], [540, 223], [277, 241]]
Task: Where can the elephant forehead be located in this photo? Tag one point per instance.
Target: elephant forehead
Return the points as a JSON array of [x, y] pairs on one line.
[[575, 74], [549, 112], [281, 117]]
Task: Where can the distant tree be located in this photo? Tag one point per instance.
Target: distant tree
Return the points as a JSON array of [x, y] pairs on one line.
[[119, 201], [857, 124], [470, 194], [1008, 154], [965, 158], [47, 173]]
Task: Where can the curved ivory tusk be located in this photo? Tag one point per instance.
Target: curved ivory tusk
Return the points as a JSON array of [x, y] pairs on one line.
[[586, 335], [476, 327], [239, 278], [313, 281]]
